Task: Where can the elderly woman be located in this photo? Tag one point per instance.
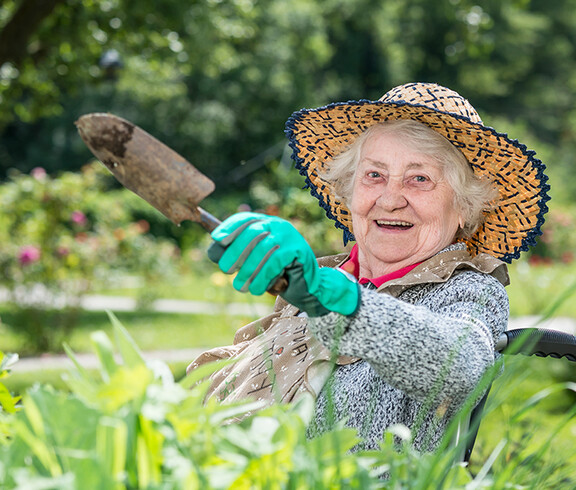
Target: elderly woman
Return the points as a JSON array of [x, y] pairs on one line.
[[402, 328]]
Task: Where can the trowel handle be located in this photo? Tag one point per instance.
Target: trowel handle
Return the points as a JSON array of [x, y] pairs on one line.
[[210, 222], [279, 286]]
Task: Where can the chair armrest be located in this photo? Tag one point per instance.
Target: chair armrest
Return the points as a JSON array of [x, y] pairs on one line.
[[538, 342]]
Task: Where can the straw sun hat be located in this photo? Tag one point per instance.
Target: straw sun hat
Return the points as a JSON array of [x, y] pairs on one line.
[[318, 135]]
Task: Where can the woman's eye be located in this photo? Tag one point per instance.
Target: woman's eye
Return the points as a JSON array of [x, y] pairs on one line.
[[373, 175], [419, 179], [421, 182]]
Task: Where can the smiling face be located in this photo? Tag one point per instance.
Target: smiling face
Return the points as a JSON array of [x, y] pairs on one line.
[[402, 209]]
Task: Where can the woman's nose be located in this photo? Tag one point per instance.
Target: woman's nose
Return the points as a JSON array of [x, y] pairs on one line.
[[392, 196]]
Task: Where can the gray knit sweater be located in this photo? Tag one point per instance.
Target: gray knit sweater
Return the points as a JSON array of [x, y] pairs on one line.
[[431, 344]]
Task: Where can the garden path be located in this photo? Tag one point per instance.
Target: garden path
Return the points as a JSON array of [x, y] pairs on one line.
[[118, 303]]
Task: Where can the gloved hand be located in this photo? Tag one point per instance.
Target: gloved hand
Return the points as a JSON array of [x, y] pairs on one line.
[[262, 248]]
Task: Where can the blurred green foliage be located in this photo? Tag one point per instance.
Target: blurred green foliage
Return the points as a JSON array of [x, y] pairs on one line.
[[133, 426], [216, 80], [558, 241], [280, 193], [130, 425]]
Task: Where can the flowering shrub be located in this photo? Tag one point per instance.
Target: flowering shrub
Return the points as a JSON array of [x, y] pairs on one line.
[[558, 241], [62, 235], [28, 255]]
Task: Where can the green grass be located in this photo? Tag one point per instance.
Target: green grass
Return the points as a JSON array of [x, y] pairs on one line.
[[532, 291], [151, 330], [523, 378], [201, 283]]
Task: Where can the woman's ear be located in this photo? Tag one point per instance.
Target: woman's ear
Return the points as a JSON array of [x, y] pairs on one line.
[[461, 221]]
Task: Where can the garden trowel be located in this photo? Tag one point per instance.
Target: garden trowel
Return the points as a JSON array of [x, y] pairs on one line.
[[150, 169]]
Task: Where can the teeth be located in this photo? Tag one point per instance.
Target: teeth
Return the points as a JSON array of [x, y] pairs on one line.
[[393, 223]]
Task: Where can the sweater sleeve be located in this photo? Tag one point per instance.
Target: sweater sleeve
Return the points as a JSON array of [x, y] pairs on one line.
[[438, 347]]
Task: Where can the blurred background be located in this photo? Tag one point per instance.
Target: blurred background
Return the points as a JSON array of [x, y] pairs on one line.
[[216, 80]]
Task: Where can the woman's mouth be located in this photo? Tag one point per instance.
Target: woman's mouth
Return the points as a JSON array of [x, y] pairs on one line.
[[394, 225]]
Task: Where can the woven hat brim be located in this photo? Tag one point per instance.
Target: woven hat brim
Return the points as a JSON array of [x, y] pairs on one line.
[[318, 135]]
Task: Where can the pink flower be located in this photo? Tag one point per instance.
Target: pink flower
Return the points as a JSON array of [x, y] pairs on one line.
[[38, 173], [142, 226], [79, 218], [28, 255], [62, 251]]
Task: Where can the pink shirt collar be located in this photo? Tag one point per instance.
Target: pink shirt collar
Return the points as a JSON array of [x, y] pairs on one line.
[[352, 264]]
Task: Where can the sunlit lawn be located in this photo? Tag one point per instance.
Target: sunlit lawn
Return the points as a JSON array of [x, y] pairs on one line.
[[151, 330], [203, 283], [533, 289]]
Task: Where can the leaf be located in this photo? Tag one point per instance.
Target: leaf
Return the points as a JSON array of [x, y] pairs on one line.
[[149, 453], [7, 360], [26, 479], [203, 371], [7, 401], [105, 352], [129, 351], [541, 395], [84, 388], [34, 436], [125, 385], [304, 407], [111, 437], [228, 412], [34, 416], [79, 368], [482, 474]]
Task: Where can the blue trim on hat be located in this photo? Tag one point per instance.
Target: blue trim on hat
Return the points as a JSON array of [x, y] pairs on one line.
[[530, 238], [292, 142]]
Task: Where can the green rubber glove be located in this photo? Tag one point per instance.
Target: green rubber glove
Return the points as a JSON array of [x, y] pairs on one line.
[[262, 248]]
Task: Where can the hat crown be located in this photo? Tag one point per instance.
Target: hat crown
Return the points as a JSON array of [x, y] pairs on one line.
[[434, 97]]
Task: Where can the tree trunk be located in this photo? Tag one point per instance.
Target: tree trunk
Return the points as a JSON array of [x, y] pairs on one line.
[[15, 36]]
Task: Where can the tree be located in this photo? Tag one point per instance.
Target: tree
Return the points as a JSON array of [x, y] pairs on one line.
[[215, 81], [24, 22]]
